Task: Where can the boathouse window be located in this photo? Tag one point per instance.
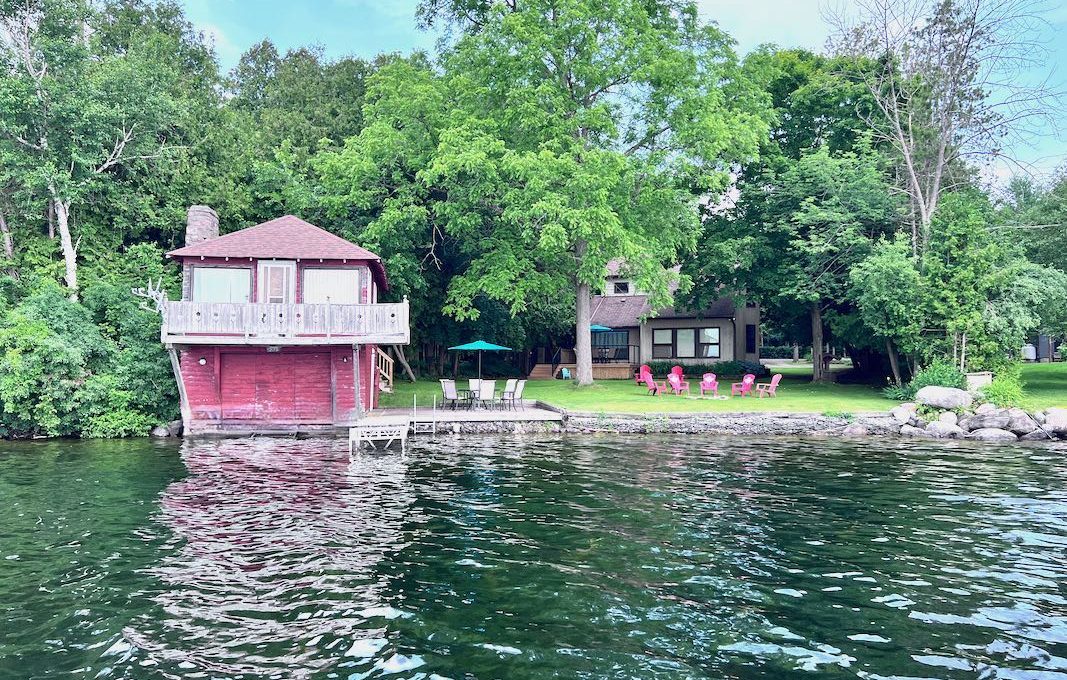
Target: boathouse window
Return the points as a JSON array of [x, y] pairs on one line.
[[277, 281], [709, 343], [337, 286], [222, 284]]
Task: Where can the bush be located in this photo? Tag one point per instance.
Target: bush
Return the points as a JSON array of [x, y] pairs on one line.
[[722, 369], [1006, 389], [776, 352], [939, 373], [899, 392]]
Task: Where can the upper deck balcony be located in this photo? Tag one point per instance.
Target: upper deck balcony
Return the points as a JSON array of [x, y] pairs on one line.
[[252, 323]]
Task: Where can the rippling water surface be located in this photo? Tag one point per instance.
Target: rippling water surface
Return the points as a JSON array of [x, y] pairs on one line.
[[510, 557]]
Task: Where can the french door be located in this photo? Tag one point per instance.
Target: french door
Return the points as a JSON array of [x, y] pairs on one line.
[[277, 281]]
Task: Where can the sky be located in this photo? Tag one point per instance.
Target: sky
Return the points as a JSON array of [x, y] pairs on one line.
[[364, 28]]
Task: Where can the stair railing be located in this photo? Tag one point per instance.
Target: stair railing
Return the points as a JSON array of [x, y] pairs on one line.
[[384, 364]]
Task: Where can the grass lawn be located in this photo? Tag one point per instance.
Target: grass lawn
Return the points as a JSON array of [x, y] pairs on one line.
[[1045, 385]]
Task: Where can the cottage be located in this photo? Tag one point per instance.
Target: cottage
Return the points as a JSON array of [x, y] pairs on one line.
[[279, 327]]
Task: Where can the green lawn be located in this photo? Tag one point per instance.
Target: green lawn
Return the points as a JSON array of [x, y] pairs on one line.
[[1046, 385]]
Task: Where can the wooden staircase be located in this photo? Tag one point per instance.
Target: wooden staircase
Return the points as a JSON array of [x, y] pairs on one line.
[[548, 371], [384, 366]]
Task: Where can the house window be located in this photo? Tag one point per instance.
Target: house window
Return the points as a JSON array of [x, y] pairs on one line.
[[222, 284], [336, 286], [662, 343], [621, 287], [277, 282], [684, 343], [709, 343], [750, 338]]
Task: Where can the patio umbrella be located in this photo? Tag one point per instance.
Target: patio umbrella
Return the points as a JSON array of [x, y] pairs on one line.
[[480, 346], [597, 328]]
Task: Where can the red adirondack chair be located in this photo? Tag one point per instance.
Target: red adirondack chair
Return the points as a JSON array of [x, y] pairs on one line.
[[744, 387], [639, 377], [654, 388], [676, 384], [769, 389], [709, 384]]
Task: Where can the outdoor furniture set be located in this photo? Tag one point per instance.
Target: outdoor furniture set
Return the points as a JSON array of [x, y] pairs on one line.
[[483, 393], [677, 384]]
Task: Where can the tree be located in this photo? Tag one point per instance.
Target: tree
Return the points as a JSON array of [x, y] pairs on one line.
[[581, 133], [952, 88]]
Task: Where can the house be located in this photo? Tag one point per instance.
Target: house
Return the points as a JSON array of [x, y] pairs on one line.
[[279, 327], [722, 332]]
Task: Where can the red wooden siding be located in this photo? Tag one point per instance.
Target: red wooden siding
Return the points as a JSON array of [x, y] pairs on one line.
[[297, 385]]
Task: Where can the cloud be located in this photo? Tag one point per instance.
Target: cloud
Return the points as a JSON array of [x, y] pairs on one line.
[[225, 48]]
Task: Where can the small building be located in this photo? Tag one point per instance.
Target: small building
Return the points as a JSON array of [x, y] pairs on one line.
[[279, 327], [724, 331]]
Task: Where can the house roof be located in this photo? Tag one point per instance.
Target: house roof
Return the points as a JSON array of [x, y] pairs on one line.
[[287, 237], [622, 311]]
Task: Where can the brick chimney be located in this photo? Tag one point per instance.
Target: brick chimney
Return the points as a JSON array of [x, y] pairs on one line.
[[201, 224]]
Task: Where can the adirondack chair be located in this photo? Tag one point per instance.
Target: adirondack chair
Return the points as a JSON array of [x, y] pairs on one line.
[[678, 371], [769, 389], [744, 387], [565, 373], [509, 391], [677, 385], [450, 393], [709, 384], [639, 377], [654, 388]]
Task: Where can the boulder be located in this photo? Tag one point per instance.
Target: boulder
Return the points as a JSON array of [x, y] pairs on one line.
[[160, 431], [1056, 420], [912, 431], [855, 430], [997, 419], [949, 418], [992, 434], [944, 397], [1037, 435], [1039, 417], [985, 408], [1020, 422], [904, 413], [174, 427], [943, 430]]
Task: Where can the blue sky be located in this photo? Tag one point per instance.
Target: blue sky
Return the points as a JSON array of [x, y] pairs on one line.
[[366, 27]]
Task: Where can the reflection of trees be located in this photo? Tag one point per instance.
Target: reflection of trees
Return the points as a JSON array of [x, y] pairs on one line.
[[280, 540]]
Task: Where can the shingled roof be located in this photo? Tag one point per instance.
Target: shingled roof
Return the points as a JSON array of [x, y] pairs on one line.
[[284, 238], [624, 311]]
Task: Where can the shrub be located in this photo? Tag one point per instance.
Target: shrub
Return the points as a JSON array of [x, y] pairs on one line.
[[1006, 389], [776, 351], [723, 369], [939, 373], [899, 392]]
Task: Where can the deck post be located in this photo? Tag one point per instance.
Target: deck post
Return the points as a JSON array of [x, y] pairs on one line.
[[357, 381], [183, 398]]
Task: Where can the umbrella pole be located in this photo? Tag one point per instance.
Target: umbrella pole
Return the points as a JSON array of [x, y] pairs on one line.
[[479, 364]]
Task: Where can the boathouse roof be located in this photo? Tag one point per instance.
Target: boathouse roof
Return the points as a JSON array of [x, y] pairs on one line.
[[283, 238]]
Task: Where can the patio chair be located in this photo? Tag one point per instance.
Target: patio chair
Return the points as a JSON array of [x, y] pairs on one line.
[[472, 388], [516, 395], [677, 385], [744, 387], [769, 389], [509, 392], [639, 377], [678, 371], [654, 388], [709, 384], [487, 393], [450, 393], [565, 373]]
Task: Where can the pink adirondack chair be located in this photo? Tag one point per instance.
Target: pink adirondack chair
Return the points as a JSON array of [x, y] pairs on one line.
[[639, 377], [769, 389], [654, 388], [677, 385], [709, 384], [677, 370], [744, 387]]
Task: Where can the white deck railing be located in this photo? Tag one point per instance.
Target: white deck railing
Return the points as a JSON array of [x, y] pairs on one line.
[[235, 322]]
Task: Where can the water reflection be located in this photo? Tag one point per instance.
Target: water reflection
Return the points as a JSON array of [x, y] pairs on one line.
[[279, 544]]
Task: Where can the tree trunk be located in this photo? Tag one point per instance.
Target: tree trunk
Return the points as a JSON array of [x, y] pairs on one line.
[[51, 211], [796, 353], [70, 256], [398, 350], [818, 349], [9, 244], [894, 361], [583, 350]]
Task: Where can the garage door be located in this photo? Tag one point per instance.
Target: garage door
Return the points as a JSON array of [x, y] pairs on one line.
[[282, 388]]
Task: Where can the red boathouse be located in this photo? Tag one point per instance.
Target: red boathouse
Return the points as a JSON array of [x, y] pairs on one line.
[[279, 327]]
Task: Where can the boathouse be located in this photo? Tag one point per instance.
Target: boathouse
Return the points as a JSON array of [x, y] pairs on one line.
[[279, 327]]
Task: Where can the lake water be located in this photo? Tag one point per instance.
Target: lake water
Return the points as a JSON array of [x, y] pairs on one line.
[[511, 557]]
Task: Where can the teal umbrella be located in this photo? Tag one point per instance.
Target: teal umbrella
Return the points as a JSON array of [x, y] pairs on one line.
[[480, 346], [597, 328]]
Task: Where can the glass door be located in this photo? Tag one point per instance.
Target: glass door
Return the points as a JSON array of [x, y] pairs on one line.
[[277, 281]]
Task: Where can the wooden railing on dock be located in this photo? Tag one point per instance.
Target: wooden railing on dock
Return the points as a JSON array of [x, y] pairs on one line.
[[284, 324]]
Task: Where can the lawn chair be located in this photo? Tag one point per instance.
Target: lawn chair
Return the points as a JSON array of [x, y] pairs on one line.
[[769, 389], [508, 393], [678, 371], [709, 384], [450, 393], [639, 377], [654, 388], [677, 385], [565, 373], [744, 387], [472, 389], [487, 393], [516, 395]]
